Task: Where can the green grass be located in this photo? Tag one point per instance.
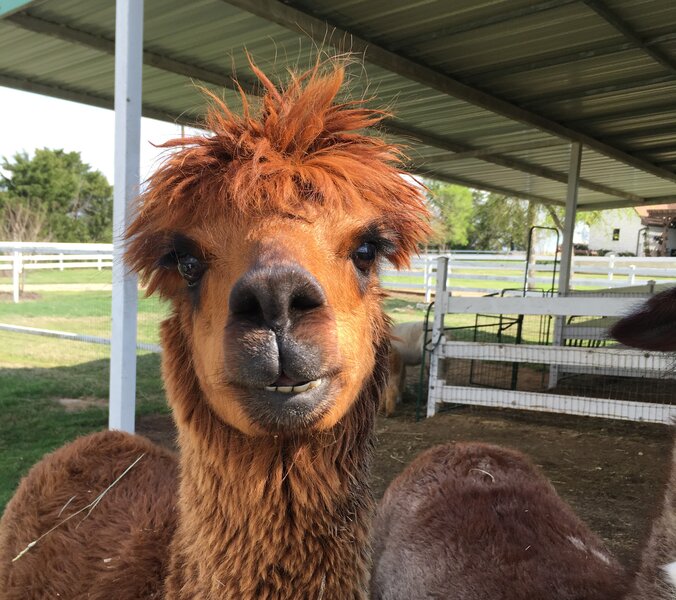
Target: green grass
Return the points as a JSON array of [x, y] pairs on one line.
[[47, 276]]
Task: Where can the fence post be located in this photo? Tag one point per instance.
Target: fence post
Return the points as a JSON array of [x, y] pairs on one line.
[[437, 331], [99, 263], [16, 275], [60, 262], [427, 276], [611, 267], [632, 274]]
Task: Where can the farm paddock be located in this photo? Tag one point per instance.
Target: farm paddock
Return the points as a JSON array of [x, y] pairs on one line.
[[611, 472]]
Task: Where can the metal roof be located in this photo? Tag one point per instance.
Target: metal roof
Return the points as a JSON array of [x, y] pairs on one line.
[[486, 93]]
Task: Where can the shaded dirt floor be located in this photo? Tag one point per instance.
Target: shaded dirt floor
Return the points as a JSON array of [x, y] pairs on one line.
[[611, 472]]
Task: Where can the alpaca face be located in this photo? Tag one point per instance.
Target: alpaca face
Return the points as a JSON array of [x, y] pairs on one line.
[[266, 235], [282, 314]]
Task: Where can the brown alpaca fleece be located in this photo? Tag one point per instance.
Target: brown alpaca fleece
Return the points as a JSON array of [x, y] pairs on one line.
[[118, 550], [285, 517], [472, 521]]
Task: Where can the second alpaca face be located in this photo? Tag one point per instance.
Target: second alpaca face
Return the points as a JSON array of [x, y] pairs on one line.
[[281, 313]]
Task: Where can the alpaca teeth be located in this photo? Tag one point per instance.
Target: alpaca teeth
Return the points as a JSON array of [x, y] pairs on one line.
[[313, 384], [301, 388], [287, 389]]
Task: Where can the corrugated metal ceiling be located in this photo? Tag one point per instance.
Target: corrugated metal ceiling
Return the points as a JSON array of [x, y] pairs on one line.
[[485, 92]]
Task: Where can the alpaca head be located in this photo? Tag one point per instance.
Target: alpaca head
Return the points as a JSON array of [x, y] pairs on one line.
[[652, 326], [266, 236]]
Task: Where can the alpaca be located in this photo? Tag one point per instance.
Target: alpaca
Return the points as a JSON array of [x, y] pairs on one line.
[[471, 521], [266, 239], [653, 327], [407, 348]]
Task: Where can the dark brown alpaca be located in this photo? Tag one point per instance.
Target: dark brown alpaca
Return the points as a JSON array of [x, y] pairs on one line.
[[265, 237], [473, 521], [476, 522], [653, 327]]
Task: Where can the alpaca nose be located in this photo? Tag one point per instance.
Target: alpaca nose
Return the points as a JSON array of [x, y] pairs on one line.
[[275, 296]]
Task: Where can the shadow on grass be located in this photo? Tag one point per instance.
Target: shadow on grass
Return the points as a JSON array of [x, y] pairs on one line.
[[32, 422]]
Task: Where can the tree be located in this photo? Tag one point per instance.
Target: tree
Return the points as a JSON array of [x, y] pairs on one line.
[[74, 202], [499, 222], [451, 207]]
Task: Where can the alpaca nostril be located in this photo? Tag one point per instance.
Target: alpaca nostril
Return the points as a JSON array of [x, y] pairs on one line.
[[275, 295], [247, 306], [308, 297]]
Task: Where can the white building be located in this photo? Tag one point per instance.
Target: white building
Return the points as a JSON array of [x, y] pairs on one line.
[[617, 231]]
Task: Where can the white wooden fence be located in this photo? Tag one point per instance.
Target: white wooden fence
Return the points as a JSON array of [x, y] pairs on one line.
[[618, 360], [18, 257], [468, 271], [509, 271]]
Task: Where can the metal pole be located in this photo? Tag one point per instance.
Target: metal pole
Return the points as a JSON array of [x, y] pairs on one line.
[[128, 65], [440, 303], [569, 223], [567, 246]]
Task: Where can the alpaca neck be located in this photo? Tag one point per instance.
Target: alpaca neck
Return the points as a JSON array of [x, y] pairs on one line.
[[273, 518]]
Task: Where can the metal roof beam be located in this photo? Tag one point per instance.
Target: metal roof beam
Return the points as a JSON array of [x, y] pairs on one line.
[[482, 152], [516, 164], [628, 32], [107, 46], [98, 100], [624, 204], [650, 131], [644, 111], [620, 86], [553, 61], [523, 66], [296, 20], [503, 17]]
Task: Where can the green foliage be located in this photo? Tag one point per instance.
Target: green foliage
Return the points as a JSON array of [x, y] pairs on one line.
[[451, 207], [73, 203], [499, 222]]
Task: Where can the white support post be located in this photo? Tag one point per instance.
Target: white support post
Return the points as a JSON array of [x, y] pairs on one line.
[[437, 332], [128, 72], [567, 246], [427, 275], [17, 267]]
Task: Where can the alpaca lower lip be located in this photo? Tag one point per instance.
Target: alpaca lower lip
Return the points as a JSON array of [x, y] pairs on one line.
[[273, 408]]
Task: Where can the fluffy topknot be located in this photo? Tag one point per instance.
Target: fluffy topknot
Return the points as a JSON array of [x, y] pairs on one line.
[[299, 151]]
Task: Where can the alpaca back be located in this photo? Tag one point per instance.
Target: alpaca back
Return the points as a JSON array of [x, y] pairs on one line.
[[473, 521], [407, 340], [118, 550]]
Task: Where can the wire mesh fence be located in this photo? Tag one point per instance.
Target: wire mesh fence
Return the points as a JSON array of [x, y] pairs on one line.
[[509, 360]]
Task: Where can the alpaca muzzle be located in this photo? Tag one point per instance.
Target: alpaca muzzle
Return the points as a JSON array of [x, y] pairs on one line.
[[281, 345]]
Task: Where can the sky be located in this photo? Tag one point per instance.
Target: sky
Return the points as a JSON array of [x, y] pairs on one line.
[[29, 121]]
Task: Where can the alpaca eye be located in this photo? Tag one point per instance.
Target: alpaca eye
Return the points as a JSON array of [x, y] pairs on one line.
[[364, 256], [190, 268]]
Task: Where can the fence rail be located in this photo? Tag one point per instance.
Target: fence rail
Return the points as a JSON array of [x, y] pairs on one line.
[[597, 361]]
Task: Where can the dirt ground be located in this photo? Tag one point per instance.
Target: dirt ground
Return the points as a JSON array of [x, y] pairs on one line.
[[611, 472]]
